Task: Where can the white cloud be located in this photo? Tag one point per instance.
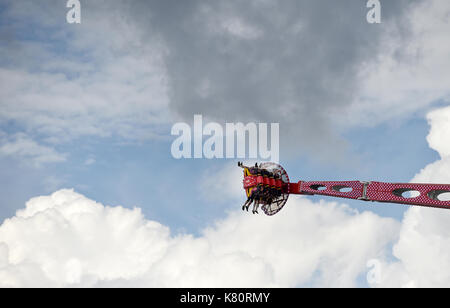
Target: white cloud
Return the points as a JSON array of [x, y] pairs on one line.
[[439, 135], [411, 71], [66, 239], [240, 29], [89, 161], [228, 23], [77, 81], [23, 147], [423, 248], [222, 184]]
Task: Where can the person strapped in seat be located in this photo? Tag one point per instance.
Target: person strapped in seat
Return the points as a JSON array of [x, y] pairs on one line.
[[259, 187]]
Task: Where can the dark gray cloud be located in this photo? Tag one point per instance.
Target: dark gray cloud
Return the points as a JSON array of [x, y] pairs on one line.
[[293, 62]]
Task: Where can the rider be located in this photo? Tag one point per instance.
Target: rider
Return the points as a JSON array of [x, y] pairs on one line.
[[262, 193], [248, 202], [255, 193], [256, 196], [256, 205]]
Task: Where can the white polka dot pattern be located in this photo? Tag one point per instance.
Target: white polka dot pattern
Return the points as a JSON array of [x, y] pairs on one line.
[[313, 188], [379, 191], [384, 192]]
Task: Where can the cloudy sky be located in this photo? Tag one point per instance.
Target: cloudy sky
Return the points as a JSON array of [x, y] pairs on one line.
[[91, 195]]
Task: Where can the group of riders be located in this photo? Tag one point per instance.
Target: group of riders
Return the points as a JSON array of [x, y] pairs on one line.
[[261, 194]]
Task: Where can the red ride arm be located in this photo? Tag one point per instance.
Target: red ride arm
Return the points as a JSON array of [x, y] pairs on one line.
[[375, 191]]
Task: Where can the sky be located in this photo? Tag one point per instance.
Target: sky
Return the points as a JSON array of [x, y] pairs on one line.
[[92, 196]]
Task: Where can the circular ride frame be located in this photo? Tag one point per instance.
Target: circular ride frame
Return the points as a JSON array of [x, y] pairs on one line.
[[276, 205]]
